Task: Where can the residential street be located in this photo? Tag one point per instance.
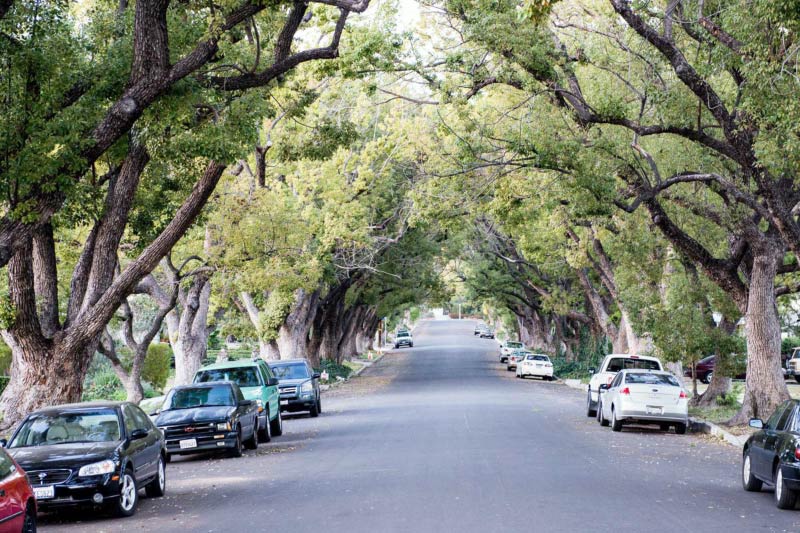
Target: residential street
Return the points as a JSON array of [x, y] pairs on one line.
[[441, 438]]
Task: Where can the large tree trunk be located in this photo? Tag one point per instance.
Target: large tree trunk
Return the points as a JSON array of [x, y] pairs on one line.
[[293, 334], [188, 329], [765, 387]]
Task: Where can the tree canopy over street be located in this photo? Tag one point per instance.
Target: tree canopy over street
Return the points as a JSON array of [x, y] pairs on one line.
[[598, 175]]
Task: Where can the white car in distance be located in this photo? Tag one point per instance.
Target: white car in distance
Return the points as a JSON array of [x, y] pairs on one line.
[[609, 367], [537, 365], [644, 397], [509, 347]]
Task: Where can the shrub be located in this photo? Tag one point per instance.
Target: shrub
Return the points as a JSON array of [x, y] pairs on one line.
[[5, 359], [157, 364], [103, 385], [334, 369], [788, 344]]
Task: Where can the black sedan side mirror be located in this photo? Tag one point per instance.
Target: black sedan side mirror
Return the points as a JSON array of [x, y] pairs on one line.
[[592, 371], [756, 423], [137, 434], [604, 386], [245, 403], [316, 375], [3, 443], [272, 382]]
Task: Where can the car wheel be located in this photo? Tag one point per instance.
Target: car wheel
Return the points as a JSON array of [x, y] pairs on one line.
[[319, 405], [314, 412], [265, 433], [708, 377], [125, 505], [276, 426], [589, 411], [29, 523], [750, 483], [680, 428], [785, 498], [236, 451], [252, 442], [797, 379], [664, 427], [157, 487], [616, 425], [599, 414], [411, 345]]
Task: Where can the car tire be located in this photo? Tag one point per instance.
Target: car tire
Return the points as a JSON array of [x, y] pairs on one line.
[[411, 345], [29, 522], [252, 442], [265, 434], [785, 498], [750, 483], [319, 405], [708, 377], [680, 428], [797, 379], [313, 412], [125, 504], [158, 487], [600, 417], [664, 427], [589, 411], [236, 451], [616, 425], [276, 426], [168, 458]]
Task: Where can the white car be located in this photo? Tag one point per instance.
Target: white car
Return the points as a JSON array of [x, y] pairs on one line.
[[508, 347], [644, 397], [535, 364], [612, 364]]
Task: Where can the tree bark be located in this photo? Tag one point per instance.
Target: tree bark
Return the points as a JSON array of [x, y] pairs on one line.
[[293, 334], [188, 328]]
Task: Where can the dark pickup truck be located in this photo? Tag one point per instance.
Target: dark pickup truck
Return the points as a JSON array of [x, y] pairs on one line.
[[208, 416]]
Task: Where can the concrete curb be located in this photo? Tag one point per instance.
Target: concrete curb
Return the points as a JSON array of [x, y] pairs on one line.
[[696, 425]]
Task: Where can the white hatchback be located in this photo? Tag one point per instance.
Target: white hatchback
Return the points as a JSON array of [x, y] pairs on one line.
[[535, 364], [644, 397]]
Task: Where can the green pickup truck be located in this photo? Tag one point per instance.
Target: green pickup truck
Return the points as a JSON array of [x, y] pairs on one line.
[[258, 384]]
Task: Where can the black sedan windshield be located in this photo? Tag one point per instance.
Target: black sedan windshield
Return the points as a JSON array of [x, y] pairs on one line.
[[200, 397], [295, 371], [101, 425]]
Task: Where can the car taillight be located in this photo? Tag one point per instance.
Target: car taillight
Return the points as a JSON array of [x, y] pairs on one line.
[[626, 390], [682, 395], [797, 453]]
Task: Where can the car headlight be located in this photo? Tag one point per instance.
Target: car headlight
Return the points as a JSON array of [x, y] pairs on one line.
[[307, 387], [226, 426], [97, 469], [260, 405]]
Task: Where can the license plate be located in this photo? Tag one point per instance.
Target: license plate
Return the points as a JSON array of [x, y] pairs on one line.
[[44, 493], [651, 410], [284, 402], [188, 443]]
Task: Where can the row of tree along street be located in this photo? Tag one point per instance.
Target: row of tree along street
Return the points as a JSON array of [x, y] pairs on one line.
[[608, 175]]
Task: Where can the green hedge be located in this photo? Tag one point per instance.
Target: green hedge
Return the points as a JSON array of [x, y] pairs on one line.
[[157, 364]]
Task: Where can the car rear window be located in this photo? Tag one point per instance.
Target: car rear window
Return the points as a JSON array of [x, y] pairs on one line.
[[539, 358], [626, 363], [651, 379], [242, 376]]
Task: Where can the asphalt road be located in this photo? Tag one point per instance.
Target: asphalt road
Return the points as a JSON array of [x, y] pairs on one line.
[[441, 438]]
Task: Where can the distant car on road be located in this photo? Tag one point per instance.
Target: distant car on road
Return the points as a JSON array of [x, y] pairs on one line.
[[480, 326], [298, 385], [704, 370], [17, 502], [257, 383], [486, 334], [609, 367], [98, 453], [772, 455], [644, 397], [535, 364], [207, 417], [508, 347], [403, 338], [515, 357]]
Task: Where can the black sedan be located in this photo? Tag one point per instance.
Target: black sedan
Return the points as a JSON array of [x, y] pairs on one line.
[[208, 416], [772, 455], [92, 454], [298, 385]]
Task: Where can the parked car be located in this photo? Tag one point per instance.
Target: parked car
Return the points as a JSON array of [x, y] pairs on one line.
[[535, 364], [772, 454], [91, 453], [208, 416], [515, 357], [403, 338], [609, 367], [478, 328], [507, 347], [298, 385], [17, 502], [644, 397], [793, 364], [704, 370], [258, 384]]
